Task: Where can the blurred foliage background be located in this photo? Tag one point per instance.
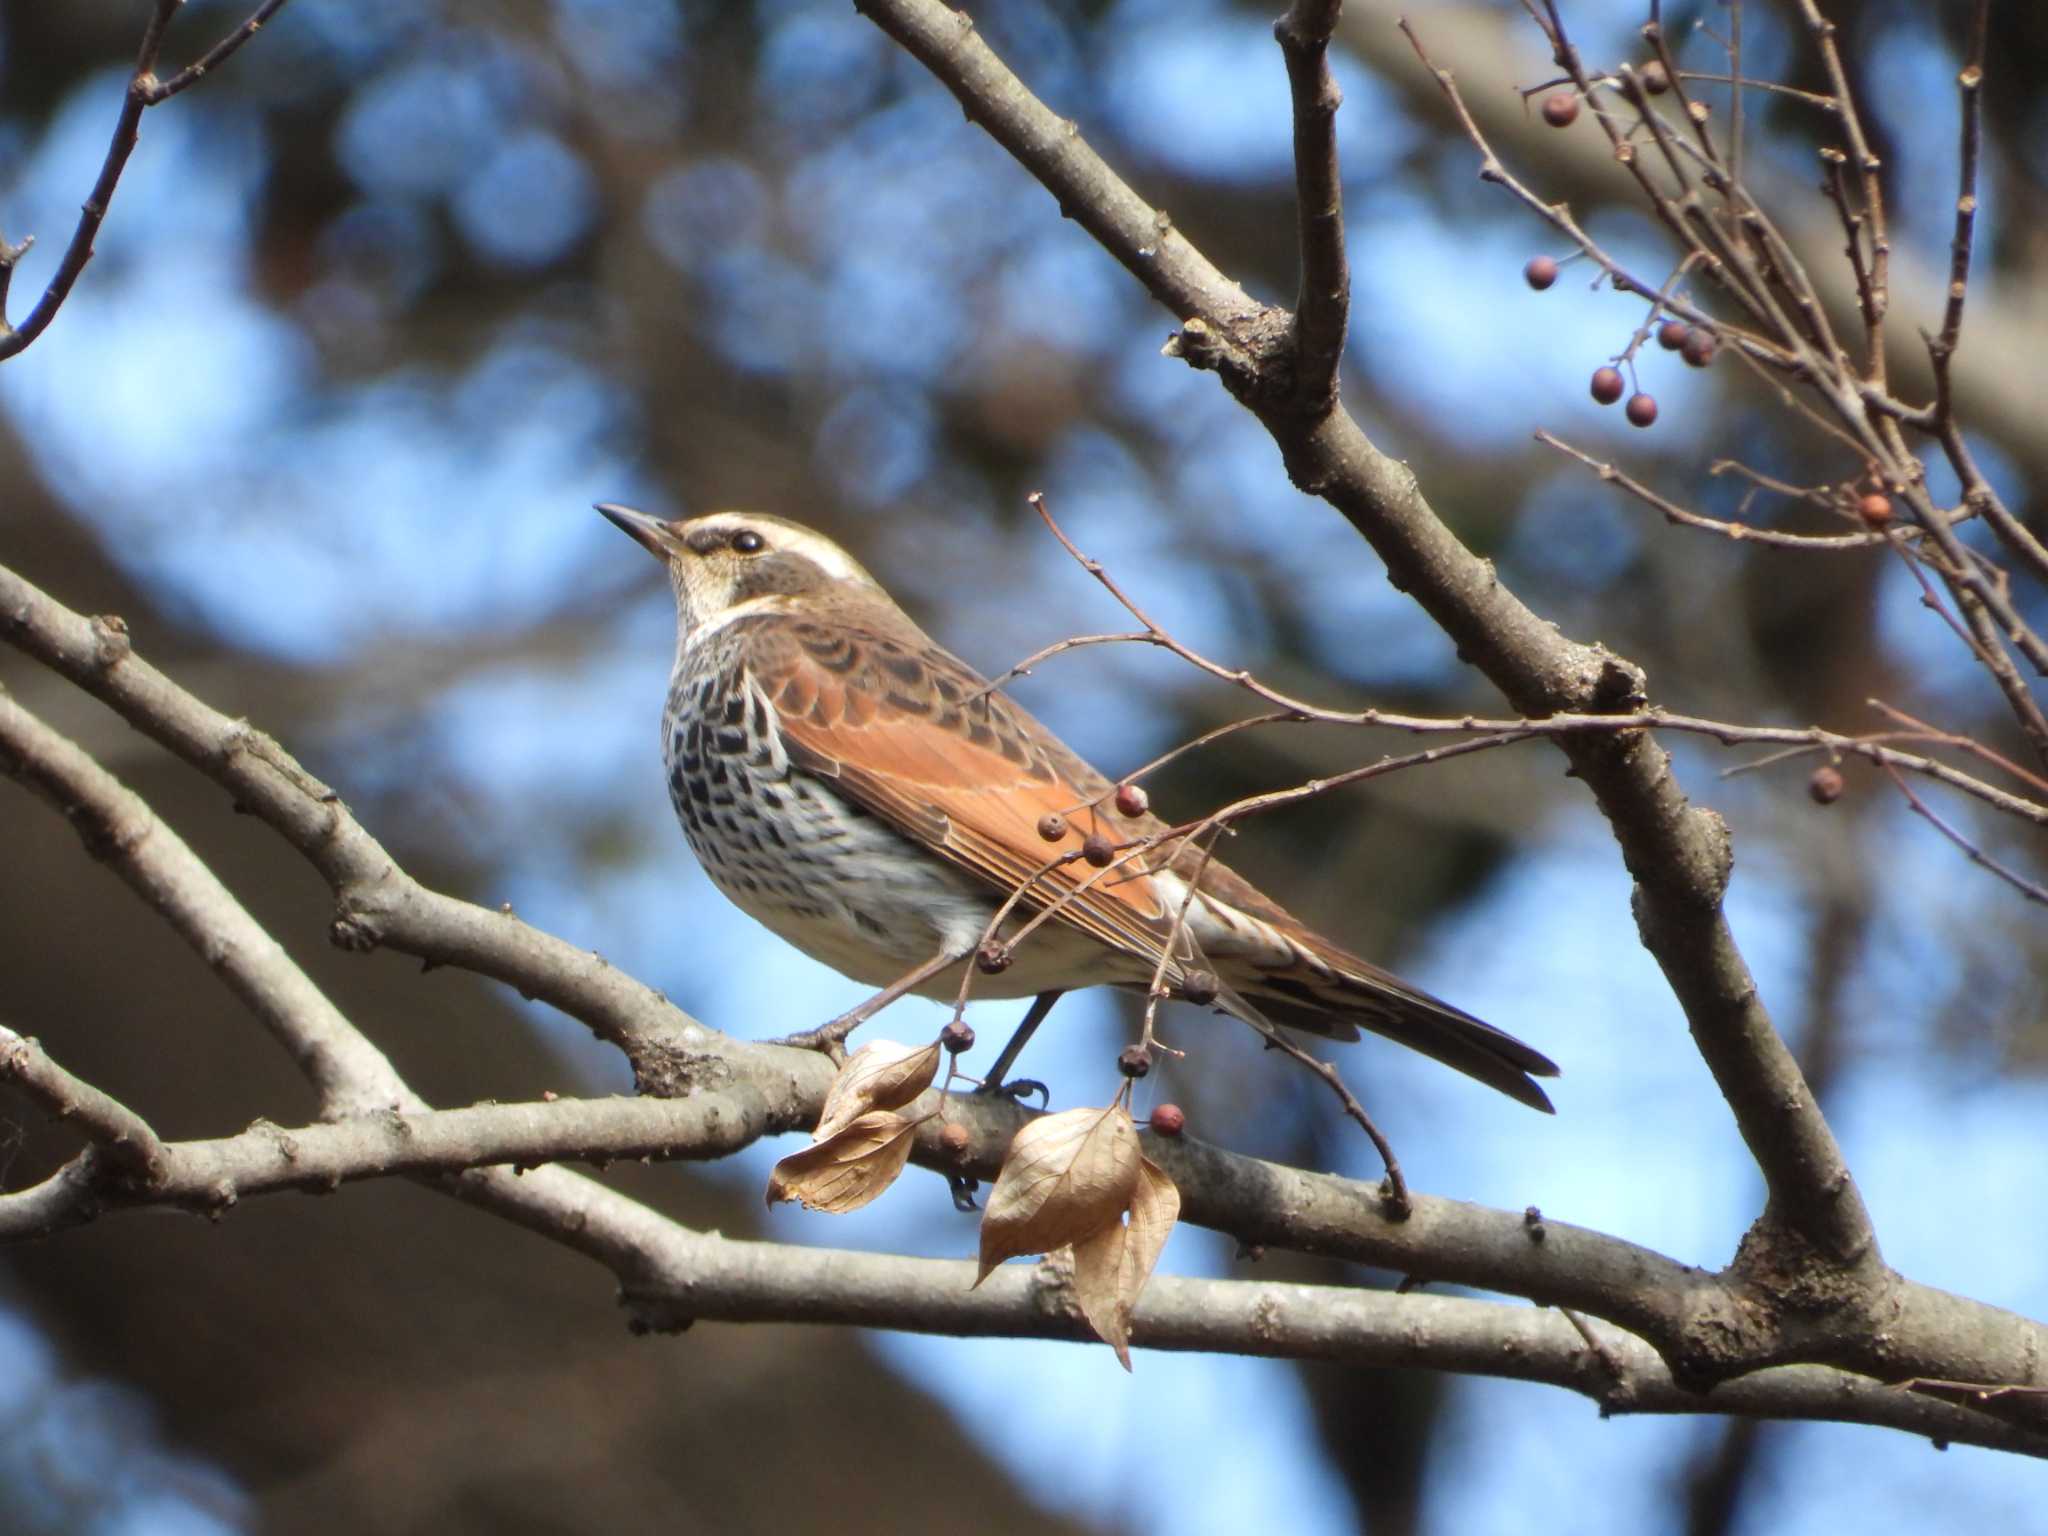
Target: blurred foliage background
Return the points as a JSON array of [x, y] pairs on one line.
[[387, 302]]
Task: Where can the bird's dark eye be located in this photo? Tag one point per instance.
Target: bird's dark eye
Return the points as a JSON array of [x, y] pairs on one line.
[[748, 542]]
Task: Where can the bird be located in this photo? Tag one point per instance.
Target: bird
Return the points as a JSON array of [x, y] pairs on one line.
[[872, 799]]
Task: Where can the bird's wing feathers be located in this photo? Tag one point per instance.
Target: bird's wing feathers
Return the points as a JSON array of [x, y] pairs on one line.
[[910, 733]]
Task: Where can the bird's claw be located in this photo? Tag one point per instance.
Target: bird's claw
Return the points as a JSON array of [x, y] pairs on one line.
[[829, 1040], [1017, 1090]]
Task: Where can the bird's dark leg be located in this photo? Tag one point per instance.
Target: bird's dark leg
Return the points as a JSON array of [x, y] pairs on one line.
[[831, 1037], [1041, 1005]]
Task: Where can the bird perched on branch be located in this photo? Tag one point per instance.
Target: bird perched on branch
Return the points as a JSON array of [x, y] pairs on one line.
[[872, 799]]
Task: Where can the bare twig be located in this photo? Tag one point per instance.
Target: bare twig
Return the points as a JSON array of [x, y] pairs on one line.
[[214, 57], [1399, 1207], [144, 91], [1970, 85], [1595, 1344], [1867, 167], [1961, 743], [1976, 855], [1322, 311], [1499, 732], [1046, 653], [1740, 533], [109, 1124]]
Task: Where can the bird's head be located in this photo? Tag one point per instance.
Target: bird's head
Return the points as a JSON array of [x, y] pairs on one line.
[[726, 564]]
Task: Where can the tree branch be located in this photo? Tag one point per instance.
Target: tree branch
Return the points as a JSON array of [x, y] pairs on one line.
[[110, 1125], [376, 902], [350, 1074], [1322, 312], [1677, 853]]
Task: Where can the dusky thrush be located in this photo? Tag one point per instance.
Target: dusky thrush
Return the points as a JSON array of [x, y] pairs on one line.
[[870, 798]]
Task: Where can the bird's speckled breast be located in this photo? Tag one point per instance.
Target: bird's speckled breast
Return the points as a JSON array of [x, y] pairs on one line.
[[818, 871]]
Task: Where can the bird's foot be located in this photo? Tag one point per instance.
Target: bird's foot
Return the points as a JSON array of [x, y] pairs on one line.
[[829, 1039], [1017, 1090]]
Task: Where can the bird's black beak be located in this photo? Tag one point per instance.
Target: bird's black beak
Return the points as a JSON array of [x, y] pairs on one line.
[[650, 533]]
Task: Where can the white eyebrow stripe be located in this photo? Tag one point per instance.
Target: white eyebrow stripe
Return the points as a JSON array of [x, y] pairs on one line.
[[816, 548], [827, 556]]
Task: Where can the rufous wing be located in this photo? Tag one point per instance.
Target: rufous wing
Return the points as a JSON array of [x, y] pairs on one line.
[[913, 735]]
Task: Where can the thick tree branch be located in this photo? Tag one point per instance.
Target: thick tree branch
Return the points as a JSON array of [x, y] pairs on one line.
[[376, 902], [349, 1073], [672, 1276], [1678, 854], [760, 1282], [212, 1175]]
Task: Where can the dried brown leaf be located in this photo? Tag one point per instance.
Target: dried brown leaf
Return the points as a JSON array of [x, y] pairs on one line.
[[851, 1167], [1097, 1260], [1067, 1176], [883, 1074], [1112, 1266], [1155, 1207]]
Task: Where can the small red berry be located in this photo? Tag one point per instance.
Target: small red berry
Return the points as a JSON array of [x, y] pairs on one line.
[[1672, 333], [1875, 510], [1052, 826], [1655, 80], [957, 1037], [1098, 850], [1607, 385], [993, 959], [1131, 800], [1541, 272], [1641, 410], [1134, 1061], [955, 1140], [1199, 987], [1699, 348], [1825, 787], [1561, 110], [1169, 1120]]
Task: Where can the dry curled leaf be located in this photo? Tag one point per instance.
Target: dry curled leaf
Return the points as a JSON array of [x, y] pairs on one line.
[[849, 1168], [1111, 1268], [1067, 1176], [883, 1074]]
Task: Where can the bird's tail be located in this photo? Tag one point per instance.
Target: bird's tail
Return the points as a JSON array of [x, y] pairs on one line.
[[1356, 995]]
